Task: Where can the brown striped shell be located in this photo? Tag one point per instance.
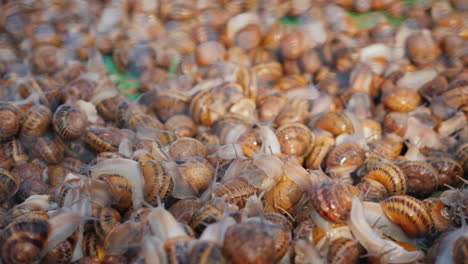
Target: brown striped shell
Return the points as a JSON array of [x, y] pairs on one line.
[[92, 247], [295, 111], [9, 121], [36, 122], [409, 213], [121, 186], [450, 171], [158, 181], [108, 218], [333, 200], [456, 95], [439, 214], [462, 156], [295, 139], [183, 210], [235, 191], [321, 148], [69, 122], [390, 176], [422, 177], [204, 216], [205, 252], [170, 103], [9, 184], [336, 123], [14, 150], [47, 150], [270, 106], [103, 139], [23, 240], [343, 250], [107, 108], [62, 253], [345, 158], [283, 197]]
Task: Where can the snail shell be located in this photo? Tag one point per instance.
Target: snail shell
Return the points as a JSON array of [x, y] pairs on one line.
[[209, 53], [386, 148], [409, 213], [187, 147], [9, 184], [92, 247], [422, 49], [107, 108], [250, 242], [295, 111], [449, 170], [204, 252], [344, 159], [36, 122], [206, 215], [333, 200], [270, 106], [108, 218], [170, 103], [343, 250], [15, 151], [235, 191], [181, 125], [48, 59], [183, 210], [293, 45], [319, 151], [103, 139], [401, 99], [335, 123], [69, 122], [47, 150], [422, 177], [439, 214], [23, 240], [268, 71], [62, 253], [197, 172], [462, 155], [457, 93], [122, 188], [251, 143], [158, 181], [390, 176], [9, 122]]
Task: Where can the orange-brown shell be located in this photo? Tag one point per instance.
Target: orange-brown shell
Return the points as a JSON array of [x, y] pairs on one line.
[[336, 123], [9, 122], [401, 99], [343, 250], [333, 201], [69, 122], [390, 176], [235, 191], [158, 181], [321, 148], [409, 213], [295, 139], [36, 122]]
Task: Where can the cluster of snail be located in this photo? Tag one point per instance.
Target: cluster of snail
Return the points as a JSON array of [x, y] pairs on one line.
[[268, 143]]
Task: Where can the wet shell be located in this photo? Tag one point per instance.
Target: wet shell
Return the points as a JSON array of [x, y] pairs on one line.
[[333, 200], [409, 213], [401, 99], [343, 250], [23, 240], [251, 143], [9, 122], [335, 123], [462, 156], [295, 139], [36, 122], [69, 122], [158, 182], [91, 246], [390, 176], [345, 158], [460, 250], [107, 108], [268, 71], [270, 106]]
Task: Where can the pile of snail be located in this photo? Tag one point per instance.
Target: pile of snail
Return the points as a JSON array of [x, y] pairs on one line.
[[254, 141]]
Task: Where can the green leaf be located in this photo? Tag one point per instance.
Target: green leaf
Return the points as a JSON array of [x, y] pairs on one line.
[[291, 21]]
